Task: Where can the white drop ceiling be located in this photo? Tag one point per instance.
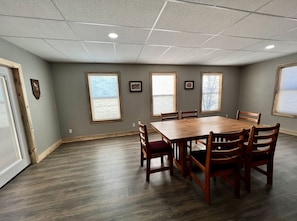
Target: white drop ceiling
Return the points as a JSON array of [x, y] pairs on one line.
[[188, 32]]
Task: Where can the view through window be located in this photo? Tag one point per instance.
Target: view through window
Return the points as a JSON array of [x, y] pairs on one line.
[[211, 92], [104, 96], [163, 93], [285, 97]]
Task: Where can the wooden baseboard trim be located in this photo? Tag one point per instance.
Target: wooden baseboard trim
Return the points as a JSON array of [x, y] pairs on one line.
[[287, 131], [98, 136], [49, 150], [83, 138]]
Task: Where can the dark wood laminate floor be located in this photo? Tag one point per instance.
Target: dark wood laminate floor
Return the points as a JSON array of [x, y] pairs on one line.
[[103, 180]]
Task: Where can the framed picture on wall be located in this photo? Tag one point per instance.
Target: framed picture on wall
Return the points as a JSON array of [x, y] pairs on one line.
[[189, 85], [35, 88], [135, 86]]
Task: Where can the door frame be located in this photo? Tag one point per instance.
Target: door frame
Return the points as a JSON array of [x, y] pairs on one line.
[[24, 106]]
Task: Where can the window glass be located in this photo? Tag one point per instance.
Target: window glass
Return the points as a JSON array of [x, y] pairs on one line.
[[163, 93], [104, 96], [285, 98], [211, 92]]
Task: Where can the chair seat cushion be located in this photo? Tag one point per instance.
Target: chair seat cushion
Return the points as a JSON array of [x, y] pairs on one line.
[[260, 157], [159, 146], [201, 157]]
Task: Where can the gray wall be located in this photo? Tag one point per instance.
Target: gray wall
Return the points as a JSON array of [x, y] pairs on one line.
[[64, 100], [43, 111], [72, 96], [257, 90]]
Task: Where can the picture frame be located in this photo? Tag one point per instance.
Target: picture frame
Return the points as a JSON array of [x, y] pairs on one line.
[[35, 88], [135, 86], [189, 85]]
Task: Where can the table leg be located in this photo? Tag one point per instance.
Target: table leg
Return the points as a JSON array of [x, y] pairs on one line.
[[182, 161]]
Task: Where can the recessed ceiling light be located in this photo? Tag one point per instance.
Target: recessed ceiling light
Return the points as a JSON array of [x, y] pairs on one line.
[[113, 35], [268, 47]]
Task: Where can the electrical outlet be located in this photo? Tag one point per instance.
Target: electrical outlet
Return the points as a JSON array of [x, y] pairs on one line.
[[133, 124], [70, 131]]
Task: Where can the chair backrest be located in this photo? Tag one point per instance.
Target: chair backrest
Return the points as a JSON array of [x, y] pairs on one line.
[[143, 136], [262, 140], [248, 116], [170, 116], [189, 114], [224, 148]]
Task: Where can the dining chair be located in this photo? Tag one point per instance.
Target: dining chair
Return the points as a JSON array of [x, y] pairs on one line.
[[153, 149], [222, 158], [171, 116], [248, 116], [189, 114], [260, 151]]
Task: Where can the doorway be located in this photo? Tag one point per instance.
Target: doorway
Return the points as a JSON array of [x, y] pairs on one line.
[[14, 156]]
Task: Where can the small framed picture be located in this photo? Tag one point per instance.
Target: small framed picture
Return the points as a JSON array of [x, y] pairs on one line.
[[189, 85], [35, 88], [135, 86]]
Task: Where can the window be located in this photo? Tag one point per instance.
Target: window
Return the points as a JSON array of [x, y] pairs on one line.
[[211, 94], [285, 96], [104, 96], [163, 93]]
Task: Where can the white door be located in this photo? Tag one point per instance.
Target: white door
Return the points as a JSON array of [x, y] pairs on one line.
[[14, 155]]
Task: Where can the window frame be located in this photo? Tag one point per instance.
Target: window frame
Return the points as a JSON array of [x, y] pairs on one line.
[[92, 118], [277, 90], [174, 74], [220, 92]]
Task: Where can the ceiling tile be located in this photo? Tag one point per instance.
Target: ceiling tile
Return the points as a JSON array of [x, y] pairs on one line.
[[34, 9], [290, 35], [231, 57], [204, 2], [71, 49], [260, 56], [250, 5], [127, 52], [197, 18], [151, 53], [211, 58], [35, 28], [101, 52], [132, 13], [179, 39], [225, 42], [280, 7], [38, 47], [197, 55], [260, 26], [127, 35], [174, 54], [280, 46]]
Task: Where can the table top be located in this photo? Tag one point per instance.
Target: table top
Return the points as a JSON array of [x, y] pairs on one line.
[[196, 128]]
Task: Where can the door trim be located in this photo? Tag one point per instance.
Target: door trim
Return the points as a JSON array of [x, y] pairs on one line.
[[24, 106]]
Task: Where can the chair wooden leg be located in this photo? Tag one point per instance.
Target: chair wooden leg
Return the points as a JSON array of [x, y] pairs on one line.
[[141, 158], [207, 189], [162, 160], [148, 169], [190, 169], [170, 157], [247, 178], [237, 183], [269, 173]]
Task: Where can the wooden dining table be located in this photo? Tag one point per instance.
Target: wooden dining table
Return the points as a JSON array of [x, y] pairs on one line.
[[184, 130]]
